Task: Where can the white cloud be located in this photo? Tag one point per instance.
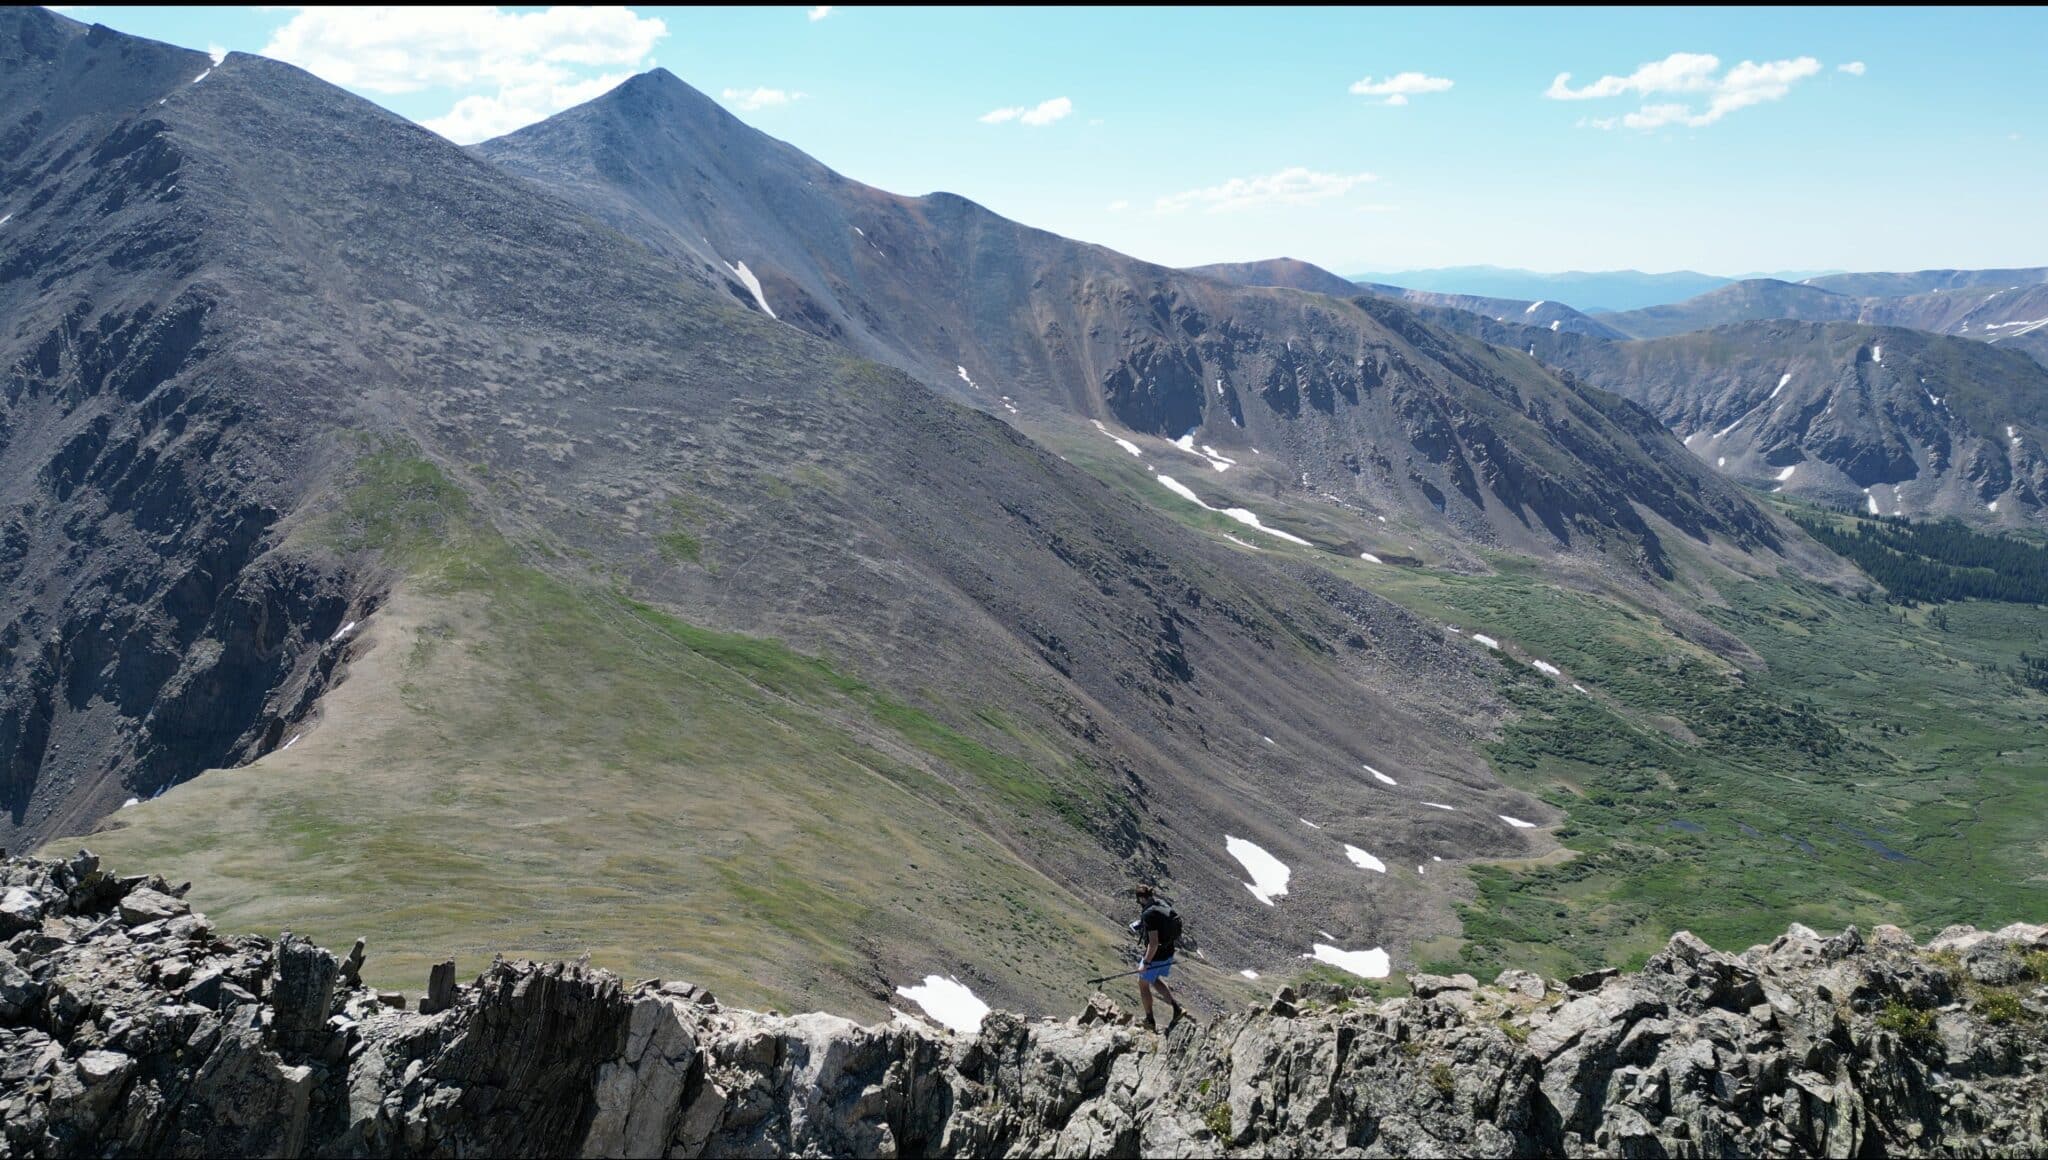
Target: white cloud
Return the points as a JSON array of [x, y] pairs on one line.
[[1746, 84], [1043, 113], [481, 117], [750, 99], [1296, 185], [1398, 88], [820, 12], [1680, 72], [530, 64], [218, 53], [1854, 68], [1119, 205]]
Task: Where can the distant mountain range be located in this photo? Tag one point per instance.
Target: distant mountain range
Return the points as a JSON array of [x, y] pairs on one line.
[[1883, 419], [1587, 291], [1922, 403], [2002, 307]]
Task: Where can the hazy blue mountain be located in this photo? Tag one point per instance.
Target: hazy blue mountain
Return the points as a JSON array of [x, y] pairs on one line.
[[1584, 290]]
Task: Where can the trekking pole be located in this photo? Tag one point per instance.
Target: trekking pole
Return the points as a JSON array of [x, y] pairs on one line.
[[1172, 962]]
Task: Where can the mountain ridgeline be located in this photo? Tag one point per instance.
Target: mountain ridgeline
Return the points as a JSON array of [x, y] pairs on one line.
[[1369, 404], [197, 1044]]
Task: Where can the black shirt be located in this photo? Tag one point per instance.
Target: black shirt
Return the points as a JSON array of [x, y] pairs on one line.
[[1155, 918]]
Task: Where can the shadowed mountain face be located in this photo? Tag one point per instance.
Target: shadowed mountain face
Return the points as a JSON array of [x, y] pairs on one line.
[[1880, 418], [227, 296], [1358, 399], [150, 625]]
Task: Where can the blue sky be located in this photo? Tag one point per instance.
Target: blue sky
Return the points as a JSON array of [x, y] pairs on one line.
[[1204, 135]]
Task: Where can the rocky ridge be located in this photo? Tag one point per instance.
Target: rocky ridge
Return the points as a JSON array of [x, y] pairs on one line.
[[128, 1025]]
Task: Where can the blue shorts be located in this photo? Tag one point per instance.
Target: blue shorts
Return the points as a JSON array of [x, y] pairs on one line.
[[1156, 971]]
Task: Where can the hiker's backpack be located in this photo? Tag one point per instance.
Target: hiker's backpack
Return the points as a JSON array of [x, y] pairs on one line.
[[1170, 926]]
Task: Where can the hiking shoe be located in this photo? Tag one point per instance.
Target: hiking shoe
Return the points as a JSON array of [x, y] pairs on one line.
[[1178, 1015], [1151, 1026]]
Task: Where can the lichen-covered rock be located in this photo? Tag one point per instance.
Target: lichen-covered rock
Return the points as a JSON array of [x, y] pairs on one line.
[[157, 1037]]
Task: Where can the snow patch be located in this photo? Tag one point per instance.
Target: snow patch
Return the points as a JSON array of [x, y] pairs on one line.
[[1372, 964], [969, 380], [1534, 305], [1872, 501], [292, 742], [131, 802], [1516, 822], [1787, 473], [1582, 689], [200, 77], [1240, 543], [1369, 558], [1249, 973], [1877, 355], [1553, 326], [1992, 506], [1381, 776], [1182, 490], [1309, 824], [1363, 860], [1266, 739], [1488, 641], [5, 218], [1691, 437], [1251, 520], [1720, 461], [753, 285], [1218, 460], [1440, 806], [1782, 380], [343, 631], [1546, 668], [949, 1001], [1269, 874]]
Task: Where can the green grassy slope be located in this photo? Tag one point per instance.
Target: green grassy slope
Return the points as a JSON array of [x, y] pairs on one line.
[[532, 765], [1880, 770]]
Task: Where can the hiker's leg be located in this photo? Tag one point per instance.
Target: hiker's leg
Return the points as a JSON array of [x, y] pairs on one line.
[[1145, 995], [1166, 994]]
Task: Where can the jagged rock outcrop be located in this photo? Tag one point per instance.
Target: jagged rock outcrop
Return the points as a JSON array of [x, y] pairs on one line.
[[128, 1026]]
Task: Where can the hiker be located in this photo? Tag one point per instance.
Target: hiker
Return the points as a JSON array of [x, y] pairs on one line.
[[1159, 926]]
